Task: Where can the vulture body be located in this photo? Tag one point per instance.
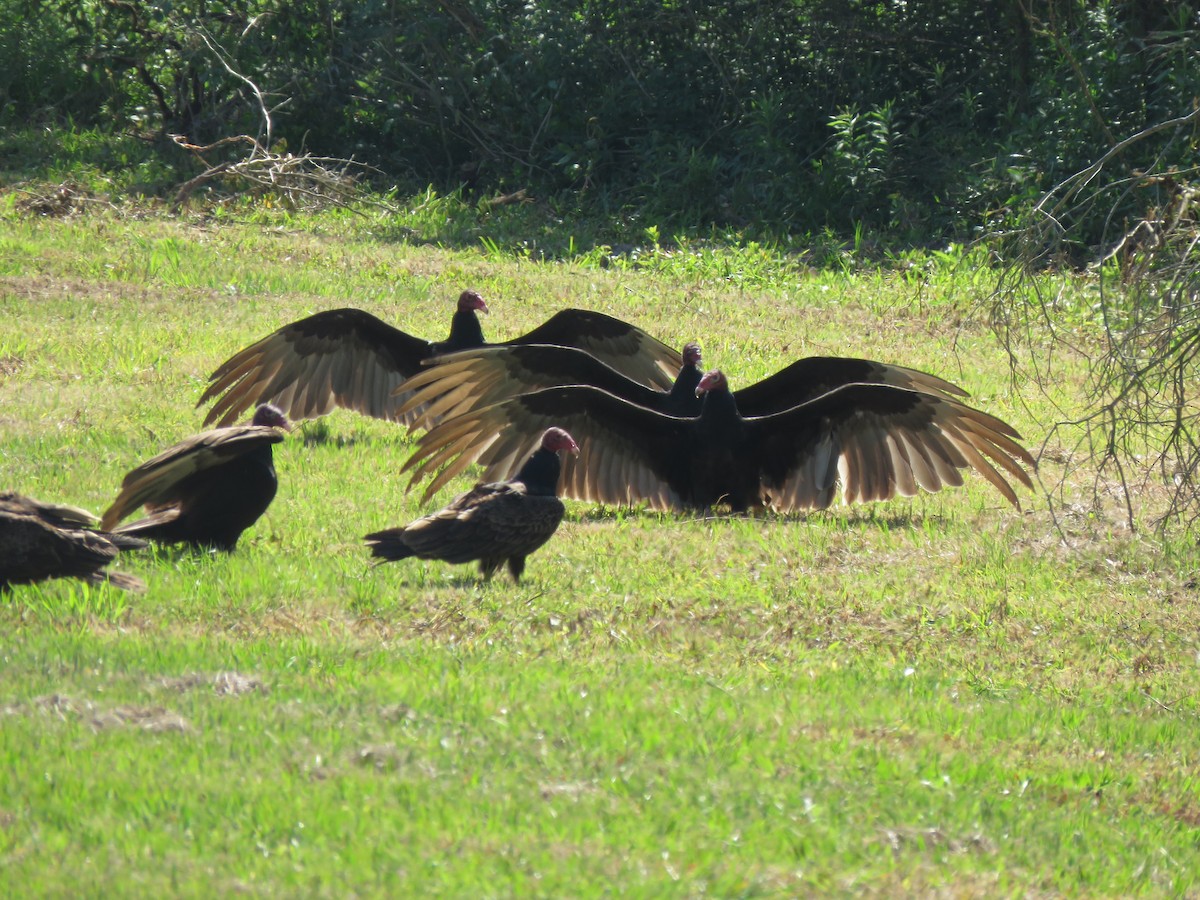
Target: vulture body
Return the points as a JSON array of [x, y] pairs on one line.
[[349, 358], [871, 441], [469, 380], [493, 523], [205, 491], [45, 540]]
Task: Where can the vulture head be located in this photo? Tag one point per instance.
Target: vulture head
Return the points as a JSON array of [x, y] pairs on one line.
[[556, 439], [691, 354], [469, 301], [712, 381], [270, 416]]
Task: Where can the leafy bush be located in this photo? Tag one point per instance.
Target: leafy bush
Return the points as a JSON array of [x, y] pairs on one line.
[[921, 120]]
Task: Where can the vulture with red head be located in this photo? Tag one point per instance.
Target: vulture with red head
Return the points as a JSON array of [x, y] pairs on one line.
[[864, 442], [492, 523], [205, 491], [469, 380], [47, 540], [349, 358]]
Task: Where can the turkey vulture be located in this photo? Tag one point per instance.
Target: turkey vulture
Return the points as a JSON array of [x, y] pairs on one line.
[[470, 379], [873, 440], [492, 523], [206, 490], [45, 540], [349, 358]]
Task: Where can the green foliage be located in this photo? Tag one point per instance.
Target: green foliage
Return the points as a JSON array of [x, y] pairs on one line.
[[921, 120]]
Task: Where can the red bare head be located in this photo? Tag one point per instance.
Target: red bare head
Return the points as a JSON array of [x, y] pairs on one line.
[[712, 381], [471, 300], [271, 416], [556, 439], [691, 354]]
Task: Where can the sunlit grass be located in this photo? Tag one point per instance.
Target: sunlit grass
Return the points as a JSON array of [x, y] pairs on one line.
[[932, 696]]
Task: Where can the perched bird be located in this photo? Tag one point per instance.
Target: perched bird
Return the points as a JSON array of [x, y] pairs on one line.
[[865, 441], [46, 540], [492, 523], [351, 359], [462, 382], [206, 490]]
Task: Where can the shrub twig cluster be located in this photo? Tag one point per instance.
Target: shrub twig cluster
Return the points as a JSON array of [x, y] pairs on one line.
[[1141, 421]]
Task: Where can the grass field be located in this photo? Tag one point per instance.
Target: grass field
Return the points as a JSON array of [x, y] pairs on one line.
[[936, 697]]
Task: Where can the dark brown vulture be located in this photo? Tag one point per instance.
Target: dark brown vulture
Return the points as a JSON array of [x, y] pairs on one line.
[[206, 490], [462, 382], [45, 540], [492, 523], [865, 441], [351, 359]]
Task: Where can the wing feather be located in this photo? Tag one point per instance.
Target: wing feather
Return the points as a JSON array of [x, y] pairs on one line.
[[808, 378], [906, 484], [308, 363], [154, 481], [887, 440], [624, 347], [607, 429], [457, 383]]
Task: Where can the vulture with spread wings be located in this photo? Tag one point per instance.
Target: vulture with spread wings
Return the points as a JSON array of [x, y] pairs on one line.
[[865, 442], [350, 358], [463, 382], [205, 491], [492, 523], [47, 540]]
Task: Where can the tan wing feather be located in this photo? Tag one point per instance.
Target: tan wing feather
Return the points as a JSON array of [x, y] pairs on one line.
[[153, 481], [928, 449]]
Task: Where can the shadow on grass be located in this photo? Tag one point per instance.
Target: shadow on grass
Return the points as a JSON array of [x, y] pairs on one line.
[[319, 433], [860, 517]]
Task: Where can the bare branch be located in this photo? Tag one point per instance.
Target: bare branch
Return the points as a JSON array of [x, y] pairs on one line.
[[258, 94], [1139, 420]]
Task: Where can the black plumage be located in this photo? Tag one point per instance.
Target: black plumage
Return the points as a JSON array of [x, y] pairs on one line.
[[205, 491], [349, 358], [493, 523], [462, 382], [46, 540], [865, 442]]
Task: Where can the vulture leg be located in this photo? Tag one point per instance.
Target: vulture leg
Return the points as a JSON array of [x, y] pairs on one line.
[[516, 565]]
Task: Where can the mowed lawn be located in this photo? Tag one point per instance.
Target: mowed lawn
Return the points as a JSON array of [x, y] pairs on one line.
[[938, 696]]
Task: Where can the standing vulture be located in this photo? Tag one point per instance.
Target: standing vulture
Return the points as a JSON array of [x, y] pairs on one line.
[[873, 441], [44, 540], [206, 490], [349, 358], [491, 523], [466, 381]]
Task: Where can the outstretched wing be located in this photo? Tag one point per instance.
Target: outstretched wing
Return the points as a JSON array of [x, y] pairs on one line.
[[155, 481], [809, 378], [627, 454], [625, 347], [457, 383], [340, 357], [872, 442]]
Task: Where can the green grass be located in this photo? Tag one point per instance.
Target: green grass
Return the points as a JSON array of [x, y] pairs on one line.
[[940, 696]]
